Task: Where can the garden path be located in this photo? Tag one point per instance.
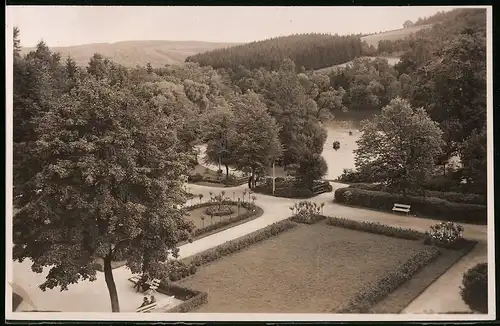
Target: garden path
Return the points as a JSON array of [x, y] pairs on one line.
[[87, 296]]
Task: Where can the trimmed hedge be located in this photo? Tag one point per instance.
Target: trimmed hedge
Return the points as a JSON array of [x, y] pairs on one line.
[[233, 181], [191, 298], [364, 300], [455, 197], [285, 192], [377, 228], [311, 220], [238, 244], [425, 206]]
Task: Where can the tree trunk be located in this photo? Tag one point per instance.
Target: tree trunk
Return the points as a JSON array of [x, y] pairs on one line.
[[227, 174], [253, 179], [110, 282]]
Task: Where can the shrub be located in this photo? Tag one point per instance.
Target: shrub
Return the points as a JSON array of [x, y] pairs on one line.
[[241, 243], [195, 178], [285, 190], [306, 212], [445, 234], [474, 289], [292, 192], [178, 270], [364, 300], [426, 206], [376, 228]]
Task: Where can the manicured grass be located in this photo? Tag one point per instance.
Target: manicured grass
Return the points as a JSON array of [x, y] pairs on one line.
[[309, 269], [195, 216]]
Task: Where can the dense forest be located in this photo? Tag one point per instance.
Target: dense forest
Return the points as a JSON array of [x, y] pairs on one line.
[[425, 42], [307, 51]]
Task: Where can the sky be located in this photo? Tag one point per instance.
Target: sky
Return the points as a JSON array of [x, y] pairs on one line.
[[75, 25]]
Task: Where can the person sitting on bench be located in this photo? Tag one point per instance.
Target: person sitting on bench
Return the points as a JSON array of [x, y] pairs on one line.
[[145, 302], [152, 300]]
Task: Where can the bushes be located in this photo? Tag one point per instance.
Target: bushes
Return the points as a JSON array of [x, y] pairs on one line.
[[179, 270], [474, 289], [376, 228], [307, 212], [240, 243], [455, 197], [191, 298], [445, 234], [364, 300], [425, 206], [195, 177]]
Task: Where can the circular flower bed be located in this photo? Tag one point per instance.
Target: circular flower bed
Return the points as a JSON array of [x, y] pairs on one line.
[[216, 211]]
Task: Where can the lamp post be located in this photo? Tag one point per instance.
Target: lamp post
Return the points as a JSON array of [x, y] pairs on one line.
[[274, 184]]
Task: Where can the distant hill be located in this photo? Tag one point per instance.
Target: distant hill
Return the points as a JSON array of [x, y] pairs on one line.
[[393, 35], [132, 53]]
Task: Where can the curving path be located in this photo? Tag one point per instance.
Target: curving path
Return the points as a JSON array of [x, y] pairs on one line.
[[86, 296]]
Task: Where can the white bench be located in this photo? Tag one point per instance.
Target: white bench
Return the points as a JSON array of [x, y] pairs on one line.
[[401, 208], [150, 307]]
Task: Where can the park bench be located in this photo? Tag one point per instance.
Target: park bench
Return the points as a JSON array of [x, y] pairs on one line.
[[401, 208], [150, 307]]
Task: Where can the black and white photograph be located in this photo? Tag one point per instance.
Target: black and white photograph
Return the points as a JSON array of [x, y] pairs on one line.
[[204, 163]]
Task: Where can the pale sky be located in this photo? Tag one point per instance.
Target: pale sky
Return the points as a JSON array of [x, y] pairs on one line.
[[75, 25]]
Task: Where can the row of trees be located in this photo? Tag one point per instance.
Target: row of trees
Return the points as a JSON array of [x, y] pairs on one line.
[[308, 51], [450, 85]]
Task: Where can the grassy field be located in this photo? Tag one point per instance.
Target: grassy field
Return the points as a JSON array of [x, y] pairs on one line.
[[195, 216], [133, 53], [392, 35], [309, 269]]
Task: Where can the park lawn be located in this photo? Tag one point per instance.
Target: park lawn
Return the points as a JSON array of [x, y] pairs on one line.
[[195, 216], [309, 269]]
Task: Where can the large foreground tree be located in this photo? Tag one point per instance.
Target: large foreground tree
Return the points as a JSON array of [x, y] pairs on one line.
[[400, 145], [108, 188]]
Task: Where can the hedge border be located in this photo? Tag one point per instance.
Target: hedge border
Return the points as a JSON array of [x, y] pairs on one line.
[[338, 198], [235, 182], [198, 297], [366, 299], [451, 196], [314, 219], [376, 228]]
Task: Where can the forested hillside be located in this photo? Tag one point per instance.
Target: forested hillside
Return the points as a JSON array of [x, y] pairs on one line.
[[308, 51], [100, 151], [429, 40]]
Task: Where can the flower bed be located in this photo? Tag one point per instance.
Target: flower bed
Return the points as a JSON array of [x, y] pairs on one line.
[[252, 211], [215, 210]]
